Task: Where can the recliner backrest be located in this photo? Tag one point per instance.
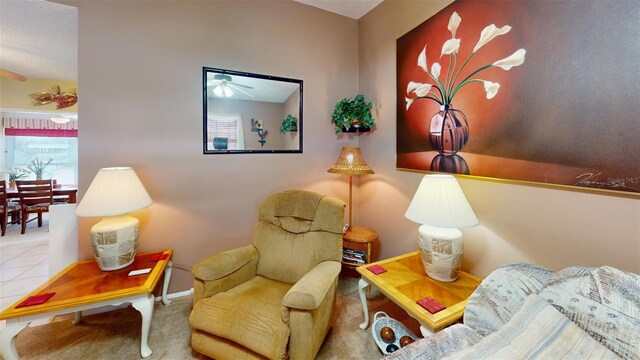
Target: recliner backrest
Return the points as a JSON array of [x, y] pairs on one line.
[[296, 231]]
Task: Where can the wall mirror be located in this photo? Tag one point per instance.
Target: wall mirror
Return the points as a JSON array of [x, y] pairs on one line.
[[250, 113]]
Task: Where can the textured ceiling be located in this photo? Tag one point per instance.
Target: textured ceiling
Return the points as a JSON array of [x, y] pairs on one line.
[[354, 9], [39, 39]]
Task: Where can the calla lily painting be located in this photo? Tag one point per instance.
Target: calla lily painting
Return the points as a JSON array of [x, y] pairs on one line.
[[516, 90], [449, 127]]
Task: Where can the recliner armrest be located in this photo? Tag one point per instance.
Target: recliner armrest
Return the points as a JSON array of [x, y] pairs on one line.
[[311, 289], [223, 264]]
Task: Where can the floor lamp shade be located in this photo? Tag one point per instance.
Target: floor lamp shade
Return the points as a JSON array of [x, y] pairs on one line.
[[350, 162], [441, 207], [114, 193]]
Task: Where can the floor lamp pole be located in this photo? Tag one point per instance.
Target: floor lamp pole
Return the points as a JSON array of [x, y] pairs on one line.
[[350, 185]]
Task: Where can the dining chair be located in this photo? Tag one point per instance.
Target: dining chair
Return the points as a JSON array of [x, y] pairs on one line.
[[4, 208], [35, 197], [7, 208]]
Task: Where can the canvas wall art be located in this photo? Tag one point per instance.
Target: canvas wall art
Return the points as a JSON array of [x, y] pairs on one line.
[[524, 90]]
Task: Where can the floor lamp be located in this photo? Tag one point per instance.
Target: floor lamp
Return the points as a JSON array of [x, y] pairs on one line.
[[350, 162]]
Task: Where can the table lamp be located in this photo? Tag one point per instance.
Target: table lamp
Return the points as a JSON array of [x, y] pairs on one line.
[[350, 162], [114, 193], [441, 207]]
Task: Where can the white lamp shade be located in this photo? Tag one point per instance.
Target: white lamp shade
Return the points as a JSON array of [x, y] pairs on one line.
[[439, 201], [114, 191]]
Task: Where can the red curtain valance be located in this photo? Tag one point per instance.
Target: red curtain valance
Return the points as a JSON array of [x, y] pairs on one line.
[[39, 127]]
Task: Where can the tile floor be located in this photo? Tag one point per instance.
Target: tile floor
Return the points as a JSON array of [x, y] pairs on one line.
[[24, 261]]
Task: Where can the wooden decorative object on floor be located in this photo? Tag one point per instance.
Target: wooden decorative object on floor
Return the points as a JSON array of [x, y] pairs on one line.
[[405, 282], [83, 286]]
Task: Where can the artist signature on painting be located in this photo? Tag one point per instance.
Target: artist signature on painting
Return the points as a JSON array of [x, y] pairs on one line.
[[620, 183]]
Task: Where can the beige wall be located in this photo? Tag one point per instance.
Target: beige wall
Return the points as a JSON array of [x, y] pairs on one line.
[[140, 66], [547, 226], [14, 94]]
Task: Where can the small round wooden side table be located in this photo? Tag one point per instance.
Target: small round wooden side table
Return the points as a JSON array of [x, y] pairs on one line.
[[360, 235]]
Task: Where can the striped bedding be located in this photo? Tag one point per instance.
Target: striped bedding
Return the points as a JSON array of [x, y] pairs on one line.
[[537, 331], [521, 311]]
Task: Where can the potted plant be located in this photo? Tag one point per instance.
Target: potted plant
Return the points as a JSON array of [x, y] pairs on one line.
[[17, 173], [289, 124], [353, 115], [37, 167]]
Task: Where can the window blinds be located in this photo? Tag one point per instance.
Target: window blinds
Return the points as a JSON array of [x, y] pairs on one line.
[[228, 126]]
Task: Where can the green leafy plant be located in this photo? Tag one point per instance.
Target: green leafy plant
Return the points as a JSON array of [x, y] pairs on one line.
[[37, 167], [288, 124], [18, 173], [354, 112]]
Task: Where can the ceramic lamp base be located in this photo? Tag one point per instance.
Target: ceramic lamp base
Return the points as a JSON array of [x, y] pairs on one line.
[[441, 250], [115, 242]]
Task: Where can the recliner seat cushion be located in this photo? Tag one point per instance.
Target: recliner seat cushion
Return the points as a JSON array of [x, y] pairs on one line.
[[249, 314]]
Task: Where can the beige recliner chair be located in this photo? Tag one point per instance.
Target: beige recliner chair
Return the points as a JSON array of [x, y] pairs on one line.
[[274, 298]]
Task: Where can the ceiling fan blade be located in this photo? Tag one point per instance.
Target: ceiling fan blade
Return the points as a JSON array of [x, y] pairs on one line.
[[235, 87], [12, 75], [244, 86]]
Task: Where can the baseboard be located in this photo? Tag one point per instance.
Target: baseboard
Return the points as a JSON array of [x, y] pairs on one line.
[[176, 295], [105, 309]]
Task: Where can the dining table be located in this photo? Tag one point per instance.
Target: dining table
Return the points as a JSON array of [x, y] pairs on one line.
[[69, 191]]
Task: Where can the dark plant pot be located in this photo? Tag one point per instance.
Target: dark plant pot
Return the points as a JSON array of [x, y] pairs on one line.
[[357, 128]]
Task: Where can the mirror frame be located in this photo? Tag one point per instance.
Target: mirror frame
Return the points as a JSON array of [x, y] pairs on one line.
[[205, 110]]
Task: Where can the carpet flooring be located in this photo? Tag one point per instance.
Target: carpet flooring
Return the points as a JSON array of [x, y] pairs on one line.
[[116, 334]]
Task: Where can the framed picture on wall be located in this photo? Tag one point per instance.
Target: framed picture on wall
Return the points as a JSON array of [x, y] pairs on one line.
[[524, 90]]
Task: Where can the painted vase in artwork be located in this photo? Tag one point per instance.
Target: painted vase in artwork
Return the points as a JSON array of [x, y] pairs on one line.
[[448, 130], [453, 164]]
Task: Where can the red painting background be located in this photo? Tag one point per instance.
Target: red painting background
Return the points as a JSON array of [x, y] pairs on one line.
[[572, 109]]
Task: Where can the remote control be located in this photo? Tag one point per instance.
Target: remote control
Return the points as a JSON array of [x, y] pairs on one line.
[[139, 272]]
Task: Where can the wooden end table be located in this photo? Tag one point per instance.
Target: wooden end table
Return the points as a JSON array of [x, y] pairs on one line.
[[83, 286], [405, 282], [362, 236]]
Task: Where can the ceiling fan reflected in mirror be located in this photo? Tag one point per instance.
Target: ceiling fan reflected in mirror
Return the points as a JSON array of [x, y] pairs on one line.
[[224, 86], [12, 75]]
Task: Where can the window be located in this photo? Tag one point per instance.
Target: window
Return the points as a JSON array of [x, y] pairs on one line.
[[21, 150], [226, 126], [37, 137]]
